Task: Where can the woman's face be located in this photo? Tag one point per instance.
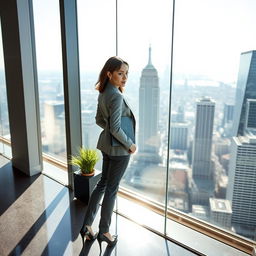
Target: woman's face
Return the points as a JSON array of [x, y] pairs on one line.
[[119, 77]]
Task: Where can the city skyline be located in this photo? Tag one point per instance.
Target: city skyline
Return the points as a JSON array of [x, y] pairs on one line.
[[180, 178], [195, 112]]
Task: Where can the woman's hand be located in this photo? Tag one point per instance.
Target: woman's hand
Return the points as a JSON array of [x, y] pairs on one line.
[[132, 149]]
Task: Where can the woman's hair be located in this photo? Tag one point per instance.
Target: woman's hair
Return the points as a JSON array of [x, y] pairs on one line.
[[111, 65]]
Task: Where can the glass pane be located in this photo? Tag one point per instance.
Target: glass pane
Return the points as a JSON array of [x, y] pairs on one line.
[[50, 77], [4, 118], [145, 43], [96, 45], [212, 175]]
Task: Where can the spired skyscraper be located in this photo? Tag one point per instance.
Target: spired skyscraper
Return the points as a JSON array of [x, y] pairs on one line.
[[201, 160], [149, 93], [246, 89]]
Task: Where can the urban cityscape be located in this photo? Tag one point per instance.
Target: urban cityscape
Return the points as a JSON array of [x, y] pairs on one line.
[[210, 151]]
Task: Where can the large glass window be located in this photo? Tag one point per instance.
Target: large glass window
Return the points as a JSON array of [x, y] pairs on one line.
[[4, 118], [212, 175], [50, 77], [144, 40], [97, 37], [210, 157]]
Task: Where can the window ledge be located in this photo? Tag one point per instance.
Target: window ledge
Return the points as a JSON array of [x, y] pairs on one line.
[[215, 235]]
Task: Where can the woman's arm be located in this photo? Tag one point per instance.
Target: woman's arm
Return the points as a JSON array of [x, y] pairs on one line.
[[99, 118]]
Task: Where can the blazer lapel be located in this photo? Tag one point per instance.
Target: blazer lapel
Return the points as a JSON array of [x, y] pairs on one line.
[[127, 103]]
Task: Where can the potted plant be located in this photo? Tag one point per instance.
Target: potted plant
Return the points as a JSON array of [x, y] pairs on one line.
[[86, 177], [86, 161]]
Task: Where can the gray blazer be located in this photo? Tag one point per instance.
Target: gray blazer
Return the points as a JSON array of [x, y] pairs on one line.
[[111, 106]]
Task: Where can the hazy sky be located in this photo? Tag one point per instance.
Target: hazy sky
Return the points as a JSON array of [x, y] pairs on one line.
[[209, 34]]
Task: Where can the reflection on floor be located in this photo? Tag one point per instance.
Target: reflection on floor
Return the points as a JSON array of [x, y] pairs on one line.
[[40, 217]]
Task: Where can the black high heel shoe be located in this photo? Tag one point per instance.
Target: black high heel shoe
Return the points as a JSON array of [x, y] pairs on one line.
[[101, 237], [85, 233]]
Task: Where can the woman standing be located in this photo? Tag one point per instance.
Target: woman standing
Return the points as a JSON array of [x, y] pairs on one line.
[[111, 107]]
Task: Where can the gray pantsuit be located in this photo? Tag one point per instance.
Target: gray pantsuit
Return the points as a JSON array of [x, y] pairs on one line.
[[111, 106], [112, 171]]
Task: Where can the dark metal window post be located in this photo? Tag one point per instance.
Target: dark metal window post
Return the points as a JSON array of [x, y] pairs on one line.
[[71, 79], [21, 85]]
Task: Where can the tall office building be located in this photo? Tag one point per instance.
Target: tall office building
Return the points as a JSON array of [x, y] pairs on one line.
[[179, 136], [228, 114], [54, 127], [220, 212], [227, 121], [90, 129], [149, 91], [250, 115], [246, 89], [241, 189], [202, 148], [180, 115]]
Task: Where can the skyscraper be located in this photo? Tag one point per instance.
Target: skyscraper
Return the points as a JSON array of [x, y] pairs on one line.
[[241, 189], [246, 89], [90, 129], [180, 115], [228, 114], [179, 136], [250, 115], [149, 110], [201, 159], [220, 212], [227, 121], [54, 126]]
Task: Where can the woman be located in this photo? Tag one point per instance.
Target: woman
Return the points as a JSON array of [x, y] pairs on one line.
[[111, 107]]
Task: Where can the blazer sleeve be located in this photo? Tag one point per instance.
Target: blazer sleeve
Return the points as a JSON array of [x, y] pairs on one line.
[[99, 118], [115, 113]]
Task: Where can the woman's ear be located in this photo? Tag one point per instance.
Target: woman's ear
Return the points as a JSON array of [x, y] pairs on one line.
[[109, 75]]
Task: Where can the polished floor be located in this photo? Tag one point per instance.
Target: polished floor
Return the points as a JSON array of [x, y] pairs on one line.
[[40, 217]]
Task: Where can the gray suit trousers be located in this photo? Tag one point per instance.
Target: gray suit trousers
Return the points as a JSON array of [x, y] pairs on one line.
[[113, 169]]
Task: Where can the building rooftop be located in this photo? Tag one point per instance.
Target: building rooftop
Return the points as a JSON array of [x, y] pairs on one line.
[[180, 124], [205, 100], [252, 51], [200, 209], [178, 180], [249, 138], [220, 205], [201, 184], [54, 102]]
